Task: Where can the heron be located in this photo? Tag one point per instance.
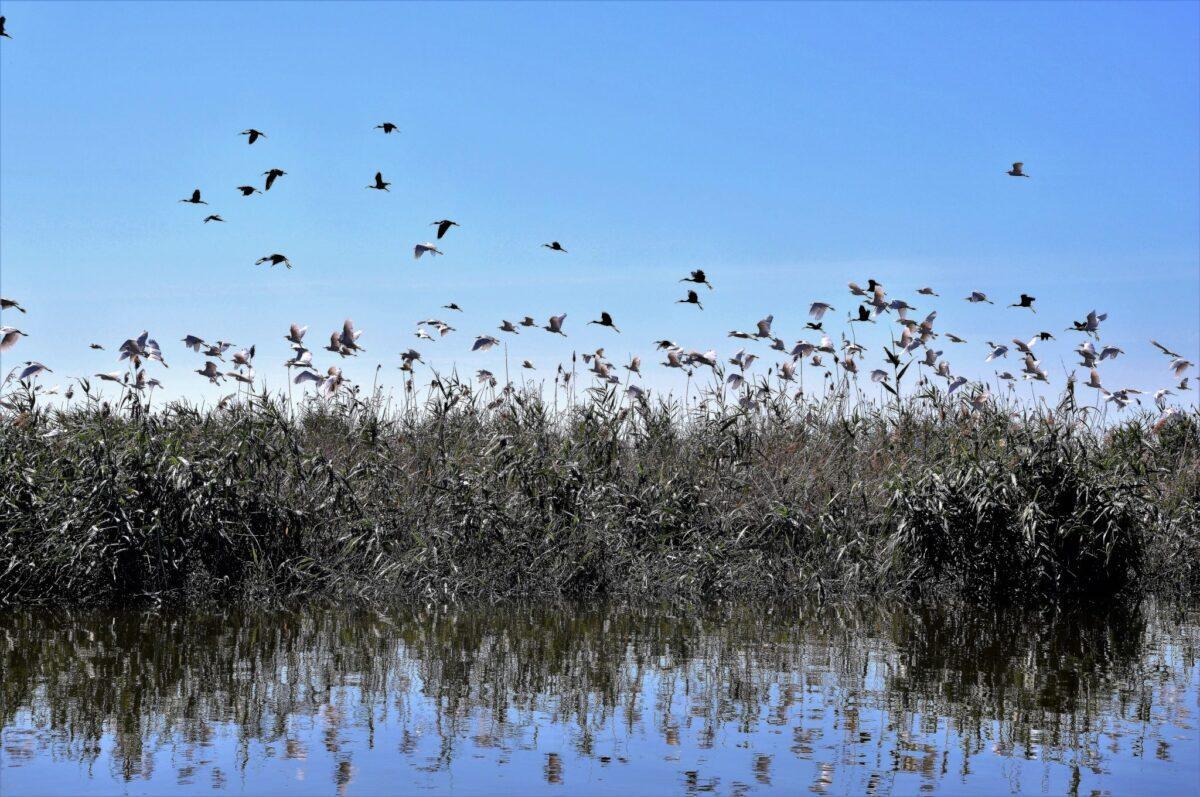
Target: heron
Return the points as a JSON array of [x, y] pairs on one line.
[[692, 298], [194, 343], [380, 185], [927, 291], [247, 190], [635, 365], [1094, 380], [528, 365], [296, 334], [95, 347], [1017, 170], [1158, 345], [485, 342], [555, 325], [527, 321], [10, 304], [274, 260], [443, 226], [350, 336], [817, 310], [697, 276], [421, 249], [253, 135], [508, 326], [112, 376], [3, 32], [1179, 365], [194, 199], [606, 321], [272, 175], [388, 128], [32, 368], [1110, 352], [9, 337], [976, 297], [213, 217], [863, 314], [950, 336], [555, 246]]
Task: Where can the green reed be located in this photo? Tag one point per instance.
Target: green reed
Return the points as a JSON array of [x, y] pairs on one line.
[[468, 494]]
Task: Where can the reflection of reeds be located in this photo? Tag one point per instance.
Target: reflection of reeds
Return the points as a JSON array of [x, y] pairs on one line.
[[464, 495], [1005, 682]]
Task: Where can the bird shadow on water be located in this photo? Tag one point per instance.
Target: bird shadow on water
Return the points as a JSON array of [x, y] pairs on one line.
[[885, 699]]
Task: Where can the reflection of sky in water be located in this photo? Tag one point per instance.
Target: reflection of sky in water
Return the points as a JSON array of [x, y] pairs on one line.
[[621, 703]]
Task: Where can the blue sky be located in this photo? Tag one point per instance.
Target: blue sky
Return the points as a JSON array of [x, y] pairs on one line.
[[784, 148]]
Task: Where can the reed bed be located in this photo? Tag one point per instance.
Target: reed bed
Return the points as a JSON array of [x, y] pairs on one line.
[[470, 494]]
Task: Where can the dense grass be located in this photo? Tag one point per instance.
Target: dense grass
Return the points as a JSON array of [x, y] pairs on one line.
[[471, 497]]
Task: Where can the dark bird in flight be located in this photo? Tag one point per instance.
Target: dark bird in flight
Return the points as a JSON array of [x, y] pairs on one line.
[[1157, 345], [272, 176], [452, 306], [380, 185], [95, 346], [692, 298], [1018, 170], [605, 321], [10, 304], [247, 190], [274, 260], [864, 314], [817, 327], [213, 217], [195, 200], [1026, 301], [255, 135], [556, 246], [698, 277], [387, 127], [443, 226], [3, 32]]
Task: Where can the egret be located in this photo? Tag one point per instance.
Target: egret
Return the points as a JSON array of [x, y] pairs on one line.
[[9, 337], [421, 249]]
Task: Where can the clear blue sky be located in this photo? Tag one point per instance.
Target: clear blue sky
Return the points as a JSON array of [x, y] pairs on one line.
[[784, 148]]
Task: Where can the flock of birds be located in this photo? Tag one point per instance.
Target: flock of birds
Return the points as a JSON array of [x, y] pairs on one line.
[[917, 341]]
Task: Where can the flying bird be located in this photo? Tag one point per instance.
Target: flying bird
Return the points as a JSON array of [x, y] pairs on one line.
[[380, 185], [1017, 170], [443, 226], [9, 337], [485, 342], [254, 135], [605, 321], [10, 304], [387, 128], [195, 199], [247, 190], [213, 217], [421, 249], [817, 309], [555, 325], [976, 297], [3, 32], [1158, 345], [1025, 301], [95, 347], [926, 292], [698, 277], [274, 260], [272, 176], [555, 246], [692, 298]]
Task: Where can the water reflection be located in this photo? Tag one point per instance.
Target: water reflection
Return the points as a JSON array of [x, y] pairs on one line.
[[630, 701]]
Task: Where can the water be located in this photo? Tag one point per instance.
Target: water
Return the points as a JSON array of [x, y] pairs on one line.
[[600, 701]]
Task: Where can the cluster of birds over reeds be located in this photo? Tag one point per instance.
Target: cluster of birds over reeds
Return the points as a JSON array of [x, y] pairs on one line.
[[915, 340]]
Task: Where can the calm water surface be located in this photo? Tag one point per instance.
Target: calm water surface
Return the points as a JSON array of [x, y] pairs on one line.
[[600, 701]]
